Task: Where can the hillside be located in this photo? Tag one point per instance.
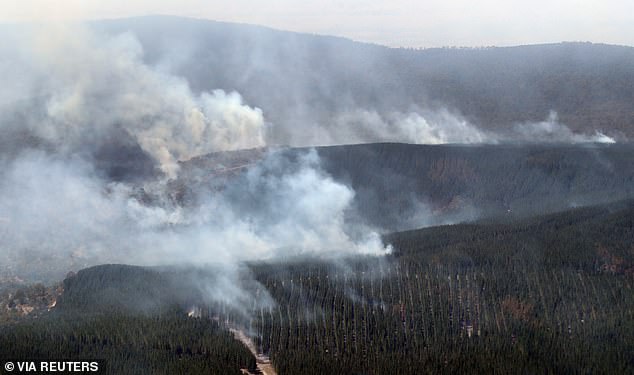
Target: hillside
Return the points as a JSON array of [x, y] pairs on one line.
[[392, 187], [309, 79], [395, 183], [546, 294], [402, 186]]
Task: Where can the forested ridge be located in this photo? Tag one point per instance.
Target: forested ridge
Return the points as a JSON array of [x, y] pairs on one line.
[[548, 294], [467, 299], [405, 186], [453, 183], [589, 85]]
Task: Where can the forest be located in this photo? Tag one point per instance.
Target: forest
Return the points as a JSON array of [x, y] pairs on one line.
[[405, 186], [547, 294], [186, 196], [456, 183], [166, 343]]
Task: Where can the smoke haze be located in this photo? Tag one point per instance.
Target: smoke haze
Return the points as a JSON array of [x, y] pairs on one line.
[[442, 127], [90, 128], [86, 87]]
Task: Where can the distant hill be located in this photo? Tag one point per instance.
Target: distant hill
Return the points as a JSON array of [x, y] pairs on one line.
[[404, 186], [301, 78], [479, 181], [596, 239]]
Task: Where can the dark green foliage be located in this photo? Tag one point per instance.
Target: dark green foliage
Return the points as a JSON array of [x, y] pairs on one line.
[[426, 318], [118, 287], [549, 294], [532, 296], [585, 239], [139, 290], [166, 344]]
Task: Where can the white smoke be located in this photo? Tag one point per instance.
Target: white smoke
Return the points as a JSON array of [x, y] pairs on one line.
[[444, 127], [296, 207], [90, 84], [426, 127], [72, 92], [551, 130], [58, 212]]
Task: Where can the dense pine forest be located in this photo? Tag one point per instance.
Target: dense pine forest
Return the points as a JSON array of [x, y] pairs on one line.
[[167, 343], [548, 294]]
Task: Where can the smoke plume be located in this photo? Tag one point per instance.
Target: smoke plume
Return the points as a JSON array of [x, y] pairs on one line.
[[551, 130], [93, 140], [85, 87], [443, 127]]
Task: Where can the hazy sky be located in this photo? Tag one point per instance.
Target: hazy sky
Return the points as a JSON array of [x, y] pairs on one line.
[[422, 23]]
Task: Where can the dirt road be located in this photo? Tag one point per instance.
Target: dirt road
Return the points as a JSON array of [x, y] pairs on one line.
[[263, 362]]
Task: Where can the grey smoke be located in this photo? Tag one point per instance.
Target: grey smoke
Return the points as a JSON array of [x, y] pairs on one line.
[[74, 100], [60, 211], [87, 86], [443, 127], [422, 127], [551, 130]]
